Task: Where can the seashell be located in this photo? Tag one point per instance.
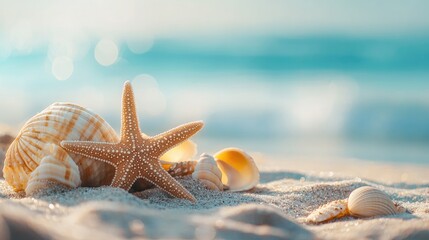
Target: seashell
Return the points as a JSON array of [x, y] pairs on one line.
[[370, 202], [180, 168], [362, 202], [329, 211], [239, 171], [35, 156], [208, 172]]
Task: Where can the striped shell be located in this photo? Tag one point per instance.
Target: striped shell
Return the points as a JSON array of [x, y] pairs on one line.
[[35, 157], [208, 173], [369, 202]]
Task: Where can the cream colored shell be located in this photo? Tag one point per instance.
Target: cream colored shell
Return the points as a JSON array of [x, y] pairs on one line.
[[369, 202], [208, 173]]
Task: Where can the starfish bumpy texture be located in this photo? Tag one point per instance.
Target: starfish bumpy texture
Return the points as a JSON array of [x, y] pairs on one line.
[[136, 155]]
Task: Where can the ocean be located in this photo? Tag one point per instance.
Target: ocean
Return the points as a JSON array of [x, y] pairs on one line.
[[339, 96]]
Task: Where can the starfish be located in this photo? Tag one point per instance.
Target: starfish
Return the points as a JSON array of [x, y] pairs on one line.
[[136, 155]]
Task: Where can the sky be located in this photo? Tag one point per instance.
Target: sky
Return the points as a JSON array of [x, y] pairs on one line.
[[126, 20]]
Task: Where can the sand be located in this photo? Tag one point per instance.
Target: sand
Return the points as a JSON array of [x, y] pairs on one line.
[[275, 209]]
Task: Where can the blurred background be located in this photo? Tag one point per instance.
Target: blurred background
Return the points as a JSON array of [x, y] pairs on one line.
[[331, 79]]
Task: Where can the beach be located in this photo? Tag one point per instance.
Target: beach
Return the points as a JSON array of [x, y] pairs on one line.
[[275, 209], [313, 114]]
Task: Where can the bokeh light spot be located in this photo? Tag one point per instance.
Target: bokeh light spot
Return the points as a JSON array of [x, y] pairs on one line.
[[106, 52], [62, 68]]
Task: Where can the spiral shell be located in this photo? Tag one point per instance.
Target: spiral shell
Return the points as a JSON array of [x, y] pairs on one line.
[[369, 202], [239, 171], [208, 173]]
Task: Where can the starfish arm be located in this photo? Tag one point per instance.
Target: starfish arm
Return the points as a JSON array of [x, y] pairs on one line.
[[167, 140], [99, 151], [124, 179], [129, 121], [159, 177]]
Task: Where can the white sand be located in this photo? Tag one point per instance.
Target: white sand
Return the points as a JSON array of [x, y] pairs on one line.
[[273, 210]]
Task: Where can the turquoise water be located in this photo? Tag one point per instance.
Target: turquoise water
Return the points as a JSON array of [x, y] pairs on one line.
[[367, 97]]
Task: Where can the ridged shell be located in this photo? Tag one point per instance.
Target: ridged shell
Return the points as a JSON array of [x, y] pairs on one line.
[[239, 171], [369, 202], [208, 173], [35, 157]]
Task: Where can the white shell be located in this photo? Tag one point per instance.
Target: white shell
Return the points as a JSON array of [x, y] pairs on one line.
[[369, 202], [208, 173], [36, 157], [239, 171]]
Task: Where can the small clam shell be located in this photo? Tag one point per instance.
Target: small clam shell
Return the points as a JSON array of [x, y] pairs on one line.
[[369, 202], [329, 211], [239, 171], [207, 172]]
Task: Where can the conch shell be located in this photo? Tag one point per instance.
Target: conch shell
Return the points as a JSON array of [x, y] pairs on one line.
[[35, 157], [362, 202], [231, 167]]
